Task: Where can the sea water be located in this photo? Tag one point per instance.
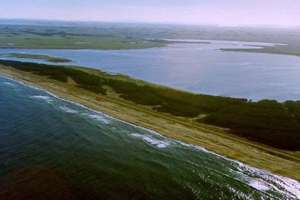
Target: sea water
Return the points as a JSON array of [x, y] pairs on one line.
[[55, 149]]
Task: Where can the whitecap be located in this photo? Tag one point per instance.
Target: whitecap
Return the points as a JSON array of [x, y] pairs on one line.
[[194, 147], [150, 140], [289, 187], [100, 118], [42, 97], [259, 185], [68, 110]]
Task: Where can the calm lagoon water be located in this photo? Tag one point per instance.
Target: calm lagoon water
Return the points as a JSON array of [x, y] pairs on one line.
[[196, 67], [53, 149]]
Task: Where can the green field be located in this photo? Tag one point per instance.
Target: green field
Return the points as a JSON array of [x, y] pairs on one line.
[[277, 49], [79, 35], [49, 37], [268, 122]]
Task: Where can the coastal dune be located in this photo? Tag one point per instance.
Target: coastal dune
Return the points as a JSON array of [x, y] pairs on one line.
[[197, 127]]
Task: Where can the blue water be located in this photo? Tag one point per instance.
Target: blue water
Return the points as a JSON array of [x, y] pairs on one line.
[[54, 149], [200, 68]]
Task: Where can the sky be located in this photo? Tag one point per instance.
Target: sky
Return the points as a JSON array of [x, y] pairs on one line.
[[203, 12]]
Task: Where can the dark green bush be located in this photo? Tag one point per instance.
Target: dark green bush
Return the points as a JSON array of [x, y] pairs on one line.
[[269, 122]]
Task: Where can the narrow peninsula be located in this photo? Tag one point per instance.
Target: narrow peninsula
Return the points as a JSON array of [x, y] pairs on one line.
[[263, 134], [51, 59]]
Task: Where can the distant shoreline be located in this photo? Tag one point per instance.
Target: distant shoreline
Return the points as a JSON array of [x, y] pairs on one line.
[[215, 139], [51, 59], [276, 49], [267, 50]]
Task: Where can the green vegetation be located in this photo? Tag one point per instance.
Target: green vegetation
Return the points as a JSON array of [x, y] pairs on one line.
[[37, 57], [268, 122], [277, 49], [68, 37], [76, 35]]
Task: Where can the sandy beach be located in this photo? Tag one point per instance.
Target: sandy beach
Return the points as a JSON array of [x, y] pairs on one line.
[[218, 140]]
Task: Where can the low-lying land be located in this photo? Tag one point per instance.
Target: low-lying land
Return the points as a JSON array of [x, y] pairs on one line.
[[277, 49], [267, 121], [36, 57], [264, 134], [68, 37], [72, 35]]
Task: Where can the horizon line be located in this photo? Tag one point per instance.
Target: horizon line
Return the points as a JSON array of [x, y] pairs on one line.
[[152, 23]]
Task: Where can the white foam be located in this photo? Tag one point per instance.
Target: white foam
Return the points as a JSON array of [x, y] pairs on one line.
[[68, 110], [287, 187], [150, 140], [195, 147], [42, 97], [291, 187], [99, 118], [259, 185]]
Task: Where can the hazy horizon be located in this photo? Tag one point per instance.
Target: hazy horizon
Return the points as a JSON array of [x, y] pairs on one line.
[[214, 12]]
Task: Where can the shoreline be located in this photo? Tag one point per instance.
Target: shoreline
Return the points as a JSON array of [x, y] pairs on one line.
[[290, 186], [214, 139], [41, 57], [263, 50], [286, 180], [79, 48]]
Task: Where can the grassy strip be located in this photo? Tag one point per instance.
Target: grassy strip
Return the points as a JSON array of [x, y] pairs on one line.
[[37, 57], [24, 37], [268, 122], [269, 50]]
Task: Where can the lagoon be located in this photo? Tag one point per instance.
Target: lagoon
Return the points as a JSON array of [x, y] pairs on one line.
[[196, 66]]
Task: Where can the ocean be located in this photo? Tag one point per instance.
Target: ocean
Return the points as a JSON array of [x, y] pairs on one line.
[[54, 149]]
